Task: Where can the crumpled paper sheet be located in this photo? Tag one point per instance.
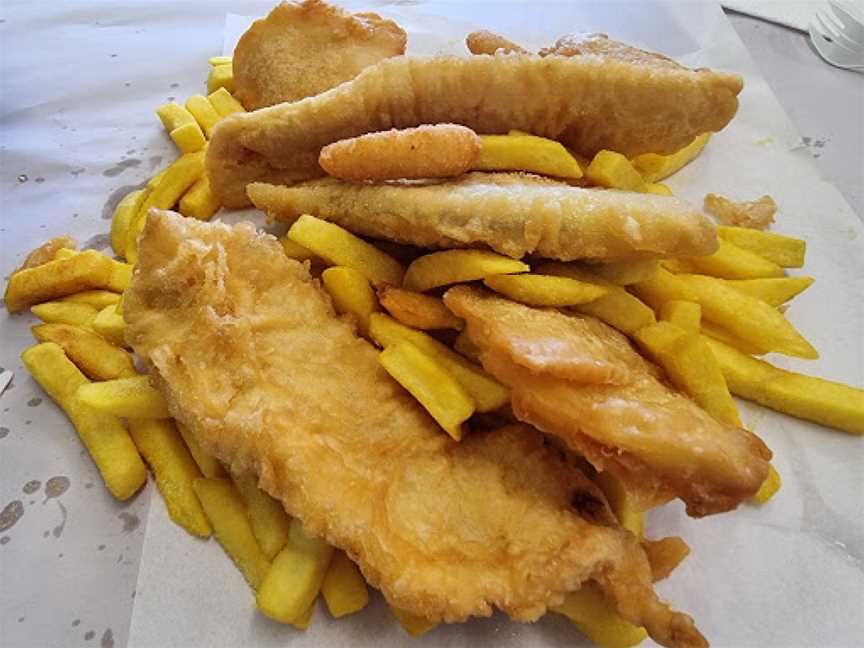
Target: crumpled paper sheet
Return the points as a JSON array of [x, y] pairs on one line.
[[79, 86]]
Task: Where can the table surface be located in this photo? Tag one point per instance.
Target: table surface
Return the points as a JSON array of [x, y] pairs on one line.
[[825, 104]]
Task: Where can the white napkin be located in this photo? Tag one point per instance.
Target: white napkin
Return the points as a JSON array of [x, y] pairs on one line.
[[796, 14]]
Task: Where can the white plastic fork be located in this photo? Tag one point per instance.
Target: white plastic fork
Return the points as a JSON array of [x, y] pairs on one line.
[[837, 33]]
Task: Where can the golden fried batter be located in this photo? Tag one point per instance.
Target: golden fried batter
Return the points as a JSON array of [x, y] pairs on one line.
[[588, 103], [644, 432], [429, 151], [251, 357], [303, 48], [512, 213], [486, 42]]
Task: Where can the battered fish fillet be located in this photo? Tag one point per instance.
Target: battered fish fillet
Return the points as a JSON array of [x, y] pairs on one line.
[[603, 46], [303, 48], [512, 213], [249, 354], [589, 103], [627, 421]]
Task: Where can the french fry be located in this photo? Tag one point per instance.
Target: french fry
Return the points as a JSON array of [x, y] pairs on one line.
[[621, 503], [121, 276], [221, 77], [83, 271], [691, 367], [661, 287], [655, 167], [110, 326], [47, 251], [207, 463], [126, 397], [814, 399], [747, 317], [665, 555], [617, 307], [769, 487], [188, 138], [624, 273], [174, 470], [719, 333], [773, 291], [106, 439], [686, 315], [351, 293], [417, 310], [199, 201], [155, 180], [413, 624], [65, 253], [785, 251], [173, 115], [656, 188], [219, 60], [97, 358], [338, 246], [293, 582], [224, 102], [123, 215], [224, 509], [457, 266], [270, 523], [177, 179], [98, 299], [118, 307], [545, 290], [733, 262], [60, 312], [611, 169], [304, 620], [595, 618], [203, 112], [343, 587], [430, 383], [295, 250], [487, 393], [527, 153]]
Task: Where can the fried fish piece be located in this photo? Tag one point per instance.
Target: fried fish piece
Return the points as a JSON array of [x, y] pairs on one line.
[[429, 151], [562, 98], [486, 42], [653, 438], [600, 45], [250, 355], [512, 213], [304, 48]]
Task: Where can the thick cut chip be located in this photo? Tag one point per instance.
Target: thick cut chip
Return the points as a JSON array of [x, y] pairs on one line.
[[527, 153], [220, 77], [270, 523], [61, 312], [48, 251], [224, 103], [122, 219], [351, 294], [199, 202], [686, 315], [773, 291], [104, 436], [456, 266], [126, 397], [204, 112], [625, 273], [207, 463], [417, 310], [732, 262], [613, 170], [343, 587], [785, 251], [251, 355], [653, 167], [96, 357], [545, 290], [58, 278], [110, 325], [95, 298], [188, 138], [174, 469], [598, 621]]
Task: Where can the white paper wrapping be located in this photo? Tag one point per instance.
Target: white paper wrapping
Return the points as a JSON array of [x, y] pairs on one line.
[[79, 86]]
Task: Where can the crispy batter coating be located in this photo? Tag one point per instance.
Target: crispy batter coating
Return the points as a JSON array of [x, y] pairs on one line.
[[604, 47], [512, 213], [250, 356], [429, 151], [588, 103], [756, 214], [304, 48], [486, 42], [644, 432]]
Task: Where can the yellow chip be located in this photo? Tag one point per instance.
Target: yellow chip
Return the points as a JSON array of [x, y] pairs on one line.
[[418, 310], [655, 167], [270, 523], [526, 153], [457, 266], [221, 77], [596, 619], [199, 201], [123, 215], [59, 312], [174, 116], [545, 290], [611, 169], [343, 587], [413, 624], [98, 299], [126, 397], [785, 251], [351, 293], [110, 325], [204, 113], [96, 357], [207, 463], [188, 138], [225, 103]]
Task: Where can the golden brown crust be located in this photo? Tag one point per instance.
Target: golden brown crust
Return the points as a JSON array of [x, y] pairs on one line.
[[45, 252], [252, 359], [486, 42], [428, 151], [711, 466], [303, 48], [563, 98], [514, 214], [604, 47]]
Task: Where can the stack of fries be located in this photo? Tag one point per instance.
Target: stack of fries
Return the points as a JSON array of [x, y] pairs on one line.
[[701, 319]]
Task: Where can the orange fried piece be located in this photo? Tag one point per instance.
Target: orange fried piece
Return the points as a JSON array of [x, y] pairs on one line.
[[600, 45], [429, 151], [756, 214], [246, 347], [658, 442], [486, 42], [304, 48], [45, 252]]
